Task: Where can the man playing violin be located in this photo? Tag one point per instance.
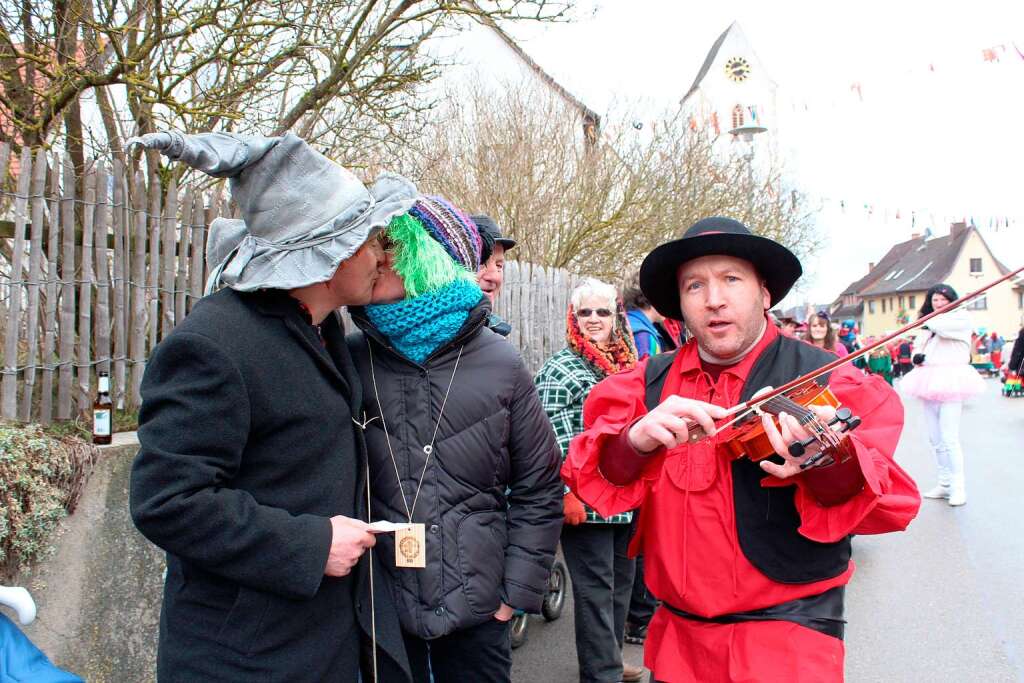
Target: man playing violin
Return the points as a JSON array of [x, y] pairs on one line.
[[749, 555]]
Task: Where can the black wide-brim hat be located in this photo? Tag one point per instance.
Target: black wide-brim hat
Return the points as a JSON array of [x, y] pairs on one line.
[[717, 235]]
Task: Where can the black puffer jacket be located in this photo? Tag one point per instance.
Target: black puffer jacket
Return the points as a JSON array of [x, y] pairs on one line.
[[491, 498]]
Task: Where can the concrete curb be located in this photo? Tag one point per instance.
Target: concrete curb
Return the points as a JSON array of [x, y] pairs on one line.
[[99, 593]]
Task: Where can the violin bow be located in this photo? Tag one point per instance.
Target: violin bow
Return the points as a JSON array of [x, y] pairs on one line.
[[756, 402]]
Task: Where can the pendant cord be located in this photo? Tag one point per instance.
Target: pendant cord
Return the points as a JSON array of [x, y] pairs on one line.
[[373, 597], [429, 449]]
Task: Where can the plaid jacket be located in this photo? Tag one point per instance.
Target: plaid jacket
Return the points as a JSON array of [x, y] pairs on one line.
[[563, 384]]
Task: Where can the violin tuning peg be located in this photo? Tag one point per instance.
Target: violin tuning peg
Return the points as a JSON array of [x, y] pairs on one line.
[[798, 448]]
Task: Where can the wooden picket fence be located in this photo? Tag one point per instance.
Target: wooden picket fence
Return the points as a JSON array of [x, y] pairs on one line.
[[535, 300], [92, 283]]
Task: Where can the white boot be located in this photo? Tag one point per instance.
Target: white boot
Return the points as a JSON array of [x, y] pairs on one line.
[[958, 491], [958, 487], [943, 489]]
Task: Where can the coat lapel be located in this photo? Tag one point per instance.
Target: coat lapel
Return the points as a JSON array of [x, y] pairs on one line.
[[279, 304]]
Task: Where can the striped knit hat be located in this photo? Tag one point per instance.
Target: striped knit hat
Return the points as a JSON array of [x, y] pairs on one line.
[[452, 228]]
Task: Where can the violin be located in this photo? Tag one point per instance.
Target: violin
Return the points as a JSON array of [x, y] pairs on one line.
[[747, 437]]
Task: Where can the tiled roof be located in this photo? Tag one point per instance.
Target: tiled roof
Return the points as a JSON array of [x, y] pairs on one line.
[[850, 311], [708, 61], [883, 268], [917, 264], [926, 263]]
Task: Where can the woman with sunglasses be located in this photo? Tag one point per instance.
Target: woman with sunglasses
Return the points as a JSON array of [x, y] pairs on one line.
[[599, 343], [821, 334]]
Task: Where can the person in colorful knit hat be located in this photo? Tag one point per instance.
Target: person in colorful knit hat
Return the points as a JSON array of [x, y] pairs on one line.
[[599, 344], [459, 450]]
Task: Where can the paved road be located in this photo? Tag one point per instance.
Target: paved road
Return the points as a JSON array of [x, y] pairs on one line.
[[943, 601]]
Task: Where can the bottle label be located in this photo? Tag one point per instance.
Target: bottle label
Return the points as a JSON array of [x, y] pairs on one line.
[[101, 422], [104, 385]]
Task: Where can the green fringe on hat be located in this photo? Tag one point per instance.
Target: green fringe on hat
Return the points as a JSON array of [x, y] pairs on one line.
[[420, 260]]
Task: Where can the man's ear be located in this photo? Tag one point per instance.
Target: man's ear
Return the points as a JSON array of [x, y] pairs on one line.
[[766, 297]]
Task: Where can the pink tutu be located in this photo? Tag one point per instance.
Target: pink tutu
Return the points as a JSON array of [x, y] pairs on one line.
[[943, 382]]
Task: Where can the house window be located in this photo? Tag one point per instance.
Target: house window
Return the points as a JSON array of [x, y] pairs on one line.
[[913, 301], [892, 303], [883, 305], [737, 116], [871, 307], [975, 266], [901, 302], [1020, 299], [979, 304]]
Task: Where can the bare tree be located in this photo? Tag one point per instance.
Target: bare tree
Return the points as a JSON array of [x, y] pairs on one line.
[[270, 65], [519, 153]]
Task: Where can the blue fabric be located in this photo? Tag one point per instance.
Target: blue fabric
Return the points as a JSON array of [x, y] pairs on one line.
[[418, 326], [645, 334], [21, 661]]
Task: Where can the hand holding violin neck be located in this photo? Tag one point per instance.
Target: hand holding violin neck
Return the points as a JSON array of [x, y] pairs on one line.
[[674, 422]]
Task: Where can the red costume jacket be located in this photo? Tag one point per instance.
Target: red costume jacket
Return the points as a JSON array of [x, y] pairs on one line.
[[687, 529]]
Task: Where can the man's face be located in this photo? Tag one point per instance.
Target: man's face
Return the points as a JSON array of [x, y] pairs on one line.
[[723, 301], [492, 273], [352, 283]]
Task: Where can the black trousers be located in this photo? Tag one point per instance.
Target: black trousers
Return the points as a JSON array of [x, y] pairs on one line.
[[602, 580], [641, 603], [478, 653]]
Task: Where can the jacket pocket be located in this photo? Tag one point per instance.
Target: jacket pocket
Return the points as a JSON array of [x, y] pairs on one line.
[[244, 624], [482, 559]]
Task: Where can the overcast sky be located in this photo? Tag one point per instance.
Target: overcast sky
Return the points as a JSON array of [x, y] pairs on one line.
[[939, 130]]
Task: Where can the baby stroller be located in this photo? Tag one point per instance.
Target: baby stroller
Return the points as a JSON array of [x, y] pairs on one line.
[[20, 660], [551, 608]]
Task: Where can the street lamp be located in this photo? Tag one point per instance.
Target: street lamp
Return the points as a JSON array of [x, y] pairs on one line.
[[747, 133]]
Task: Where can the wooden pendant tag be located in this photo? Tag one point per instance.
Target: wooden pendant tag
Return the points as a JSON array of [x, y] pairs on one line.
[[411, 547]]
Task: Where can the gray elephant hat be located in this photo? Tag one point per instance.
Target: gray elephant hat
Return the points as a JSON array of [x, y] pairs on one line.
[[302, 214]]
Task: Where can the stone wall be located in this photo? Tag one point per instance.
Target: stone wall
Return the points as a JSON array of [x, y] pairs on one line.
[[99, 594]]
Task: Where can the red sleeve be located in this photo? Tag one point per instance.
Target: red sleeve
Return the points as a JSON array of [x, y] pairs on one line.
[[888, 499], [612, 406]]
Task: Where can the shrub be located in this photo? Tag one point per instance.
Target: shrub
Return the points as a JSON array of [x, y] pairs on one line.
[[41, 479]]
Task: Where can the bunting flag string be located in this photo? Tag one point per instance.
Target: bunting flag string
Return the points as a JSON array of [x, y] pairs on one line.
[[923, 216]]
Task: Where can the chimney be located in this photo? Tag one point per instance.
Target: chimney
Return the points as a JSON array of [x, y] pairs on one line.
[[956, 228], [871, 266], [915, 235]]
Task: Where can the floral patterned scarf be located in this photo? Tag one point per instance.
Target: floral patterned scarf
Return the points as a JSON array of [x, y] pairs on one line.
[[618, 355]]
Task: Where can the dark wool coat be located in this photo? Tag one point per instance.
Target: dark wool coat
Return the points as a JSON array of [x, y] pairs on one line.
[[492, 497], [248, 448]]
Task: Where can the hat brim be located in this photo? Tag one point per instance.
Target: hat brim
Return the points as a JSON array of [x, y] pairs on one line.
[[505, 242], [659, 281], [271, 268]]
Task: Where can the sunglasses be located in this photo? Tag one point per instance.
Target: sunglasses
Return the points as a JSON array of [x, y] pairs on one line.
[[587, 312]]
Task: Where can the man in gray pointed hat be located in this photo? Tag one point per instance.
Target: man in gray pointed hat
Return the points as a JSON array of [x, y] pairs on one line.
[[251, 472]]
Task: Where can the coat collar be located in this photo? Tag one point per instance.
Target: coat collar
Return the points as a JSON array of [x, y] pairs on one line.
[[332, 356]]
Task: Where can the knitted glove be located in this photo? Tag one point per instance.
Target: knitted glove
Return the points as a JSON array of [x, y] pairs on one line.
[[573, 509], [918, 358]]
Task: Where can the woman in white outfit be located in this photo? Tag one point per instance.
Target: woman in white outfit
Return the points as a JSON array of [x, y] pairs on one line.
[[943, 380]]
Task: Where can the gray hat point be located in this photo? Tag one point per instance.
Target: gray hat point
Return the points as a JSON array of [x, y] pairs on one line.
[[302, 214]]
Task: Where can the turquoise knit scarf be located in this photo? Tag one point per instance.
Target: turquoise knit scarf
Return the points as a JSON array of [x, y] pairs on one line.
[[418, 326]]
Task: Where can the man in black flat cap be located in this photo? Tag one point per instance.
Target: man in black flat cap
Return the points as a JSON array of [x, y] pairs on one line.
[[491, 275], [749, 559]]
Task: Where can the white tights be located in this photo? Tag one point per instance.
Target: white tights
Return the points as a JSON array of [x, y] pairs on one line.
[[943, 422]]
